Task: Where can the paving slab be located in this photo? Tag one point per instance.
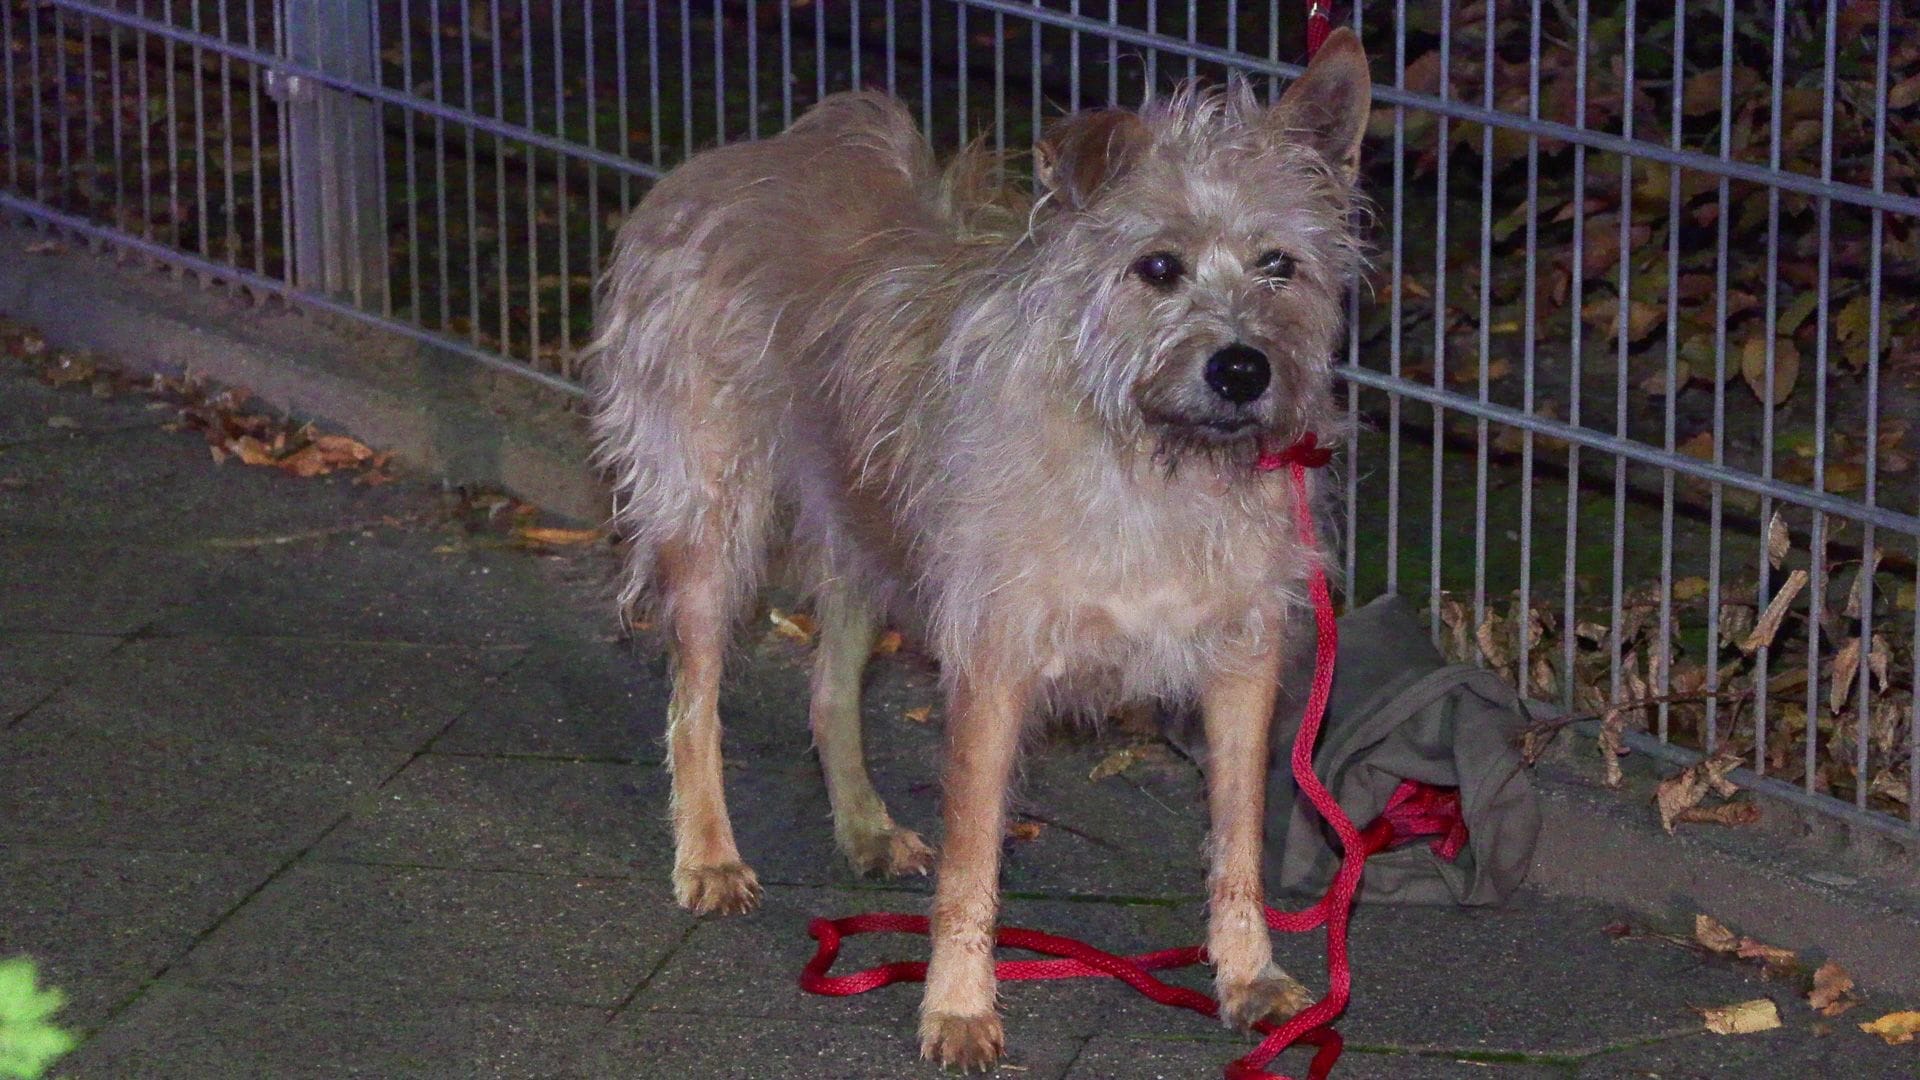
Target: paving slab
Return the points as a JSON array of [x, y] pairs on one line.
[[176, 1030], [669, 1047], [36, 665], [749, 966], [103, 923], [74, 585], [595, 696], [533, 816], [388, 584], [166, 793], [445, 933], [286, 692], [1111, 1057], [230, 503], [32, 411], [1536, 977]]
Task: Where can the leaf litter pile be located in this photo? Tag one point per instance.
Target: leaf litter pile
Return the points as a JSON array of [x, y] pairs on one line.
[[234, 431], [1826, 990]]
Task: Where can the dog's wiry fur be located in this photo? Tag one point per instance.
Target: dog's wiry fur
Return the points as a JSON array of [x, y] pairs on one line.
[[978, 419]]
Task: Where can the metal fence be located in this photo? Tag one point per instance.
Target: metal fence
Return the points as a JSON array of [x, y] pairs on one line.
[[1635, 370]]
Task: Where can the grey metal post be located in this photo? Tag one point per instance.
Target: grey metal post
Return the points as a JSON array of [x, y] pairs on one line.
[[335, 154]]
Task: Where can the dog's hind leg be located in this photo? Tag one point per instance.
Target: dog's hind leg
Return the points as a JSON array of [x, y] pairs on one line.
[[864, 830], [698, 577]]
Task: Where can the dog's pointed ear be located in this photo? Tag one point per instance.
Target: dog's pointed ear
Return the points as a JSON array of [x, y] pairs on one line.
[[1327, 107], [1082, 152]]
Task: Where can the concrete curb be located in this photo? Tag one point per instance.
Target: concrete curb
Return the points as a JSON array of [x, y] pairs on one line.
[[438, 413], [1801, 881]]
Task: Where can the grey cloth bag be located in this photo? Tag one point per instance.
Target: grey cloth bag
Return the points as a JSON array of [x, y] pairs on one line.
[[1398, 712]]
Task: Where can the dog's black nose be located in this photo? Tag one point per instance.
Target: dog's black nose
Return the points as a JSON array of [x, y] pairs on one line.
[[1238, 373]]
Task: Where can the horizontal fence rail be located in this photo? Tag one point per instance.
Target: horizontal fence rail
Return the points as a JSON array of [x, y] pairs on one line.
[[1633, 378]]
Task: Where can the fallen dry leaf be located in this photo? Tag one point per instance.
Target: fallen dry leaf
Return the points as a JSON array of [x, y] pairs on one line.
[[1714, 935], [1786, 369], [1731, 814], [1779, 541], [1831, 984], [557, 537], [1684, 790], [1895, 1027], [1024, 831], [46, 247], [888, 643], [1121, 760], [795, 627], [1769, 623], [1774, 960], [920, 715], [1743, 1018], [1846, 664]]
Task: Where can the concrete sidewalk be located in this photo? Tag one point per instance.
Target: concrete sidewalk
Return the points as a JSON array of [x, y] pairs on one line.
[[303, 778]]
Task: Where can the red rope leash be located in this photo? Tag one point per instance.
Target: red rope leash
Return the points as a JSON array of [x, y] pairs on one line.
[[1415, 810]]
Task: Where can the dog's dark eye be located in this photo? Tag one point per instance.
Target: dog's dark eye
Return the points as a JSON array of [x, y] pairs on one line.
[[1162, 269], [1277, 265]]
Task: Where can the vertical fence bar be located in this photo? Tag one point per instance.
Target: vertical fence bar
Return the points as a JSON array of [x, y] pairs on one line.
[[1864, 590], [1442, 178], [1576, 300], [197, 56], [503, 281], [13, 104], [1762, 655], [1398, 302], [1676, 116], [338, 237], [471, 139], [1523, 667], [1623, 298], [442, 241], [1716, 511], [1483, 383], [1817, 548]]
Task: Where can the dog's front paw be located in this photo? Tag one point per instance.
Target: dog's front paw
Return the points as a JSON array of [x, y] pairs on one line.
[[962, 1042], [890, 852], [725, 889], [1272, 995]]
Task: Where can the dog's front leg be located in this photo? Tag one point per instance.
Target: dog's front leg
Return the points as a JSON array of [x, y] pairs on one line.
[[958, 1022], [1238, 706]]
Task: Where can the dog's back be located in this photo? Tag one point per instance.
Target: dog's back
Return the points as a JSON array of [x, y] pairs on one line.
[[724, 283]]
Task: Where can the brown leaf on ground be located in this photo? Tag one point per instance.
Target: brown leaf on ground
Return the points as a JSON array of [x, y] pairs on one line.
[[1731, 814], [558, 537], [920, 715], [887, 643], [1123, 759], [1769, 623], [251, 451], [1831, 995], [1774, 961], [796, 627], [1895, 1027], [1714, 935], [1743, 1018], [1684, 790], [1025, 832]]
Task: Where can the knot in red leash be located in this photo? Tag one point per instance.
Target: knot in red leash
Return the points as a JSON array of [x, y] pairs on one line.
[[1415, 810]]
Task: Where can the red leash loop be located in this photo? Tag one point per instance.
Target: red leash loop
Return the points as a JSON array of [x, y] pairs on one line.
[[1414, 810]]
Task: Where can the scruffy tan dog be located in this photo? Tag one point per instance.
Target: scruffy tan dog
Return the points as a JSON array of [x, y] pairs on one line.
[[1027, 435]]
